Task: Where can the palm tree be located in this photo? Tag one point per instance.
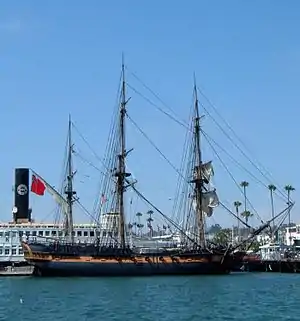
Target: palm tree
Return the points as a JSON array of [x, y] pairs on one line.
[[244, 185], [222, 237], [246, 215], [164, 229], [139, 224], [272, 189], [289, 189], [150, 220], [135, 226], [237, 204]]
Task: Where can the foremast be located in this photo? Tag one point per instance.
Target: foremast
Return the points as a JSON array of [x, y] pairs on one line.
[[70, 193], [121, 173]]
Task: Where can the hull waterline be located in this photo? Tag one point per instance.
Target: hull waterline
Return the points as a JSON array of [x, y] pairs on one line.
[[94, 261], [56, 268]]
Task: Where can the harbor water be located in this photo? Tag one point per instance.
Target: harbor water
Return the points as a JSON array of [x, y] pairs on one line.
[[239, 296]]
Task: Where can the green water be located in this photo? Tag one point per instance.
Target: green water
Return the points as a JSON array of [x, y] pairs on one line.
[[238, 296]]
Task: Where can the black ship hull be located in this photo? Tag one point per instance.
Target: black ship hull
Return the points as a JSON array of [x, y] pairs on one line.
[[86, 269], [91, 260], [238, 261]]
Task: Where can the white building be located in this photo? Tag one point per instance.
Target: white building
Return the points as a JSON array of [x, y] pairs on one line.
[[10, 235], [292, 234], [263, 239]]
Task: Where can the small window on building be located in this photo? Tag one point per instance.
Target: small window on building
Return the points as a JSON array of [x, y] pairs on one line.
[[79, 233], [33, 233], [1, 234], [92, 233], [85, 233], [41, 233], [53, 233], [20, 251], [27, 233], [14, 234], [1, 250], [47, 233], [14, 252], [6, 234], [60, 233], [6, 251], [20, 233]]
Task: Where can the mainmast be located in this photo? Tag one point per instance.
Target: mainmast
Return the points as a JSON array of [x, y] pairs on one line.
[[121, 173], [197, 179], [69, 188]]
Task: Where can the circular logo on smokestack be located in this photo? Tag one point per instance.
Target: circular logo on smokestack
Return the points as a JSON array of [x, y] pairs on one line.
[[22, 189]]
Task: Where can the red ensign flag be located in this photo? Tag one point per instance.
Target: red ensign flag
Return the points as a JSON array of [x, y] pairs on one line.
[[37, 186]]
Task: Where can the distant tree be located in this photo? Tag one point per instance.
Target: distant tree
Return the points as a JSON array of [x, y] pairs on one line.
[[244, 185], [223, 237], [246, 215], [139, 224], [150, 220], [255, 246], [289, 189], [237, 204], [215, 228]]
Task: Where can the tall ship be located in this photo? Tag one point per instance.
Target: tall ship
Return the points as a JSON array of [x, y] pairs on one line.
[[114, 252]]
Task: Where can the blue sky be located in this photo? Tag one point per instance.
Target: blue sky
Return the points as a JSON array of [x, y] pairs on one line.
[[63, 57]]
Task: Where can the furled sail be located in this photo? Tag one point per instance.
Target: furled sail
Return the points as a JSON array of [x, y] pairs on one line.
[[210, 200], [207, 171]]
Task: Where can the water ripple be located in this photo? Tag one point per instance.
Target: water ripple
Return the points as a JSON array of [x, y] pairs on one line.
[[240, 297]]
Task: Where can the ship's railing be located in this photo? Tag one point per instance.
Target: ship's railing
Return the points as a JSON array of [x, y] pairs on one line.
[[61, 240], [46, 225]]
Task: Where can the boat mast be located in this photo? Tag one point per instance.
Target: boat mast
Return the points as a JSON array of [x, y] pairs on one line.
[[121, 174], [198, 188], [69, 188]]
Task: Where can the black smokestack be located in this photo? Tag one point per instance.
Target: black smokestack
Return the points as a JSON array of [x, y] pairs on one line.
[[21, 208]]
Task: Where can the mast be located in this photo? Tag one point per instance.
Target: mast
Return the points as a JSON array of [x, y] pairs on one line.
[[121, 173], [198, 181], [69, 188]]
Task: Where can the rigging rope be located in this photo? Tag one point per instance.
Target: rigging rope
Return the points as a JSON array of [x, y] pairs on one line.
[[113, 144], [156, 148], [231, 176], [157, 107], [163, 215], [58, 211], [236, 145], [155, 95], [269, 179], [238, 163]]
